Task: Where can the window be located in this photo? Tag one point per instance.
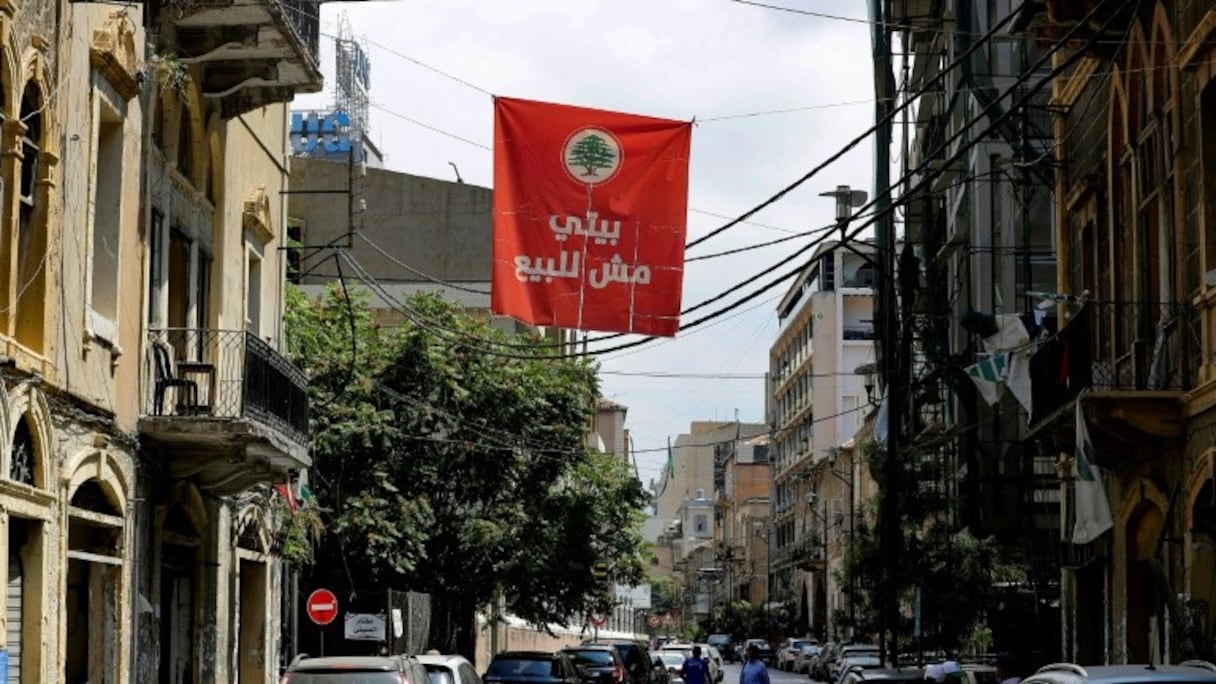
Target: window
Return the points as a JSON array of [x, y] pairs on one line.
[[31, 237], [700, 524], [156, 270], [107, 219], [185, 145], [253, 294]]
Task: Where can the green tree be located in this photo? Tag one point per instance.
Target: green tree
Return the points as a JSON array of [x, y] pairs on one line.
[[952, 576], [592, 153], [458, 472]]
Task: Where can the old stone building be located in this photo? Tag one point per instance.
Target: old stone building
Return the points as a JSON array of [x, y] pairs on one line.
[[1136, 215], [145, 409], [223, 415]]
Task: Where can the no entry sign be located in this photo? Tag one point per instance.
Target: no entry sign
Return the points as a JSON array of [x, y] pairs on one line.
[[322, 607]]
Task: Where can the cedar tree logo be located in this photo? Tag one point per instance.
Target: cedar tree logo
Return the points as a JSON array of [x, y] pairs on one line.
[[592, 155]]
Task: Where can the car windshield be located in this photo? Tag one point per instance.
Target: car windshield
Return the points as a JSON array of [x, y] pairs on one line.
[[344, 677], [672, 658], [439, 674], [592, 657], [519, 667], [759, 644], [800, 644]]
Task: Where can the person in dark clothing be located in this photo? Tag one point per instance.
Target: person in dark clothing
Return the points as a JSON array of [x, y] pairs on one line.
[[695, 667]]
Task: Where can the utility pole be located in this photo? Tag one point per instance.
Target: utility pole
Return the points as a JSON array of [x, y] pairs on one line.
[[886, 318]]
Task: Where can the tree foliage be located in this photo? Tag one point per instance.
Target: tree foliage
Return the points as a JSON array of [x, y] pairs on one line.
[[952, 576], [458, 472]]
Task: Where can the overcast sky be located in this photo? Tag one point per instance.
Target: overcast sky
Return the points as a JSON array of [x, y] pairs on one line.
[[678, 59]]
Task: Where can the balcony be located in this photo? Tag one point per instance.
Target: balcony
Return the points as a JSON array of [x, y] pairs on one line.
[[227, 409], [858, 332], [1136, 359], [252, 53]]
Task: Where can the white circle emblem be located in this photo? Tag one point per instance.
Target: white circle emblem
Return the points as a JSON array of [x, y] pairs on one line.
[[592, 155]]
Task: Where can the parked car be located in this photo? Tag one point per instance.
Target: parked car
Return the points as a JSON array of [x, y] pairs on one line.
[[598, 664], [714, 673], [725, 645], [531, 667], [1188, 672], [672, 663], [715, 661], [821, 663], [802, 663], [855, 655], [361, 669], [449, 669], [764, 650], [789, 651], [638, 662], [907, 675]]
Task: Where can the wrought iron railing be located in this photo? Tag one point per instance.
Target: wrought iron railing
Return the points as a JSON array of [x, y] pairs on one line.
[[199, 373], [305, 18], [1143, 346]]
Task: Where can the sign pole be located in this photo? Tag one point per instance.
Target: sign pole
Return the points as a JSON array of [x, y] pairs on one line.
[[322, 630]]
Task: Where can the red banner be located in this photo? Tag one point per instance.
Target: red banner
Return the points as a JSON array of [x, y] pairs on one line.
[[590, 211]]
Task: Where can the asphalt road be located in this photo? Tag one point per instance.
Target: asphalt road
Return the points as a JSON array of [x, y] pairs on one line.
[[731, 675]]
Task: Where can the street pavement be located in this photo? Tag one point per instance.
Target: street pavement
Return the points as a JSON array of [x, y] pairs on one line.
[[730, 675]]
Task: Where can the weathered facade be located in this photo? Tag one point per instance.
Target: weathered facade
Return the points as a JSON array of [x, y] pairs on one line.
[[980, 233], [138, 548], [1136, 210], [222, 415], [815, 401]]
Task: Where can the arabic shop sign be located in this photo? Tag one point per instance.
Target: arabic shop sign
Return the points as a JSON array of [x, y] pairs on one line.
[[365, 627], [314, 132]]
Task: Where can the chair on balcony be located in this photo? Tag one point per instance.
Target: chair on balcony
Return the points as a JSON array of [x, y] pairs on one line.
[[185, 391]]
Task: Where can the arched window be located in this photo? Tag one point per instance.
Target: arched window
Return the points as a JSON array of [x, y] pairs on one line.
[[22, 460], [31, 116], [31, 237]]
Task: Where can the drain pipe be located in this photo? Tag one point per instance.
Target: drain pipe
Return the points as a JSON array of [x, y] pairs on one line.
[[139, 513]]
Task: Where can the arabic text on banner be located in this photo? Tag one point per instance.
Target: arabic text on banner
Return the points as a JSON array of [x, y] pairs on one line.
[[590, 216]]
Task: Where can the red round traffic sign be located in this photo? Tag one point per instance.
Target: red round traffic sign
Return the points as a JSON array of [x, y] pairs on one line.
[[597, 620], [322, 607], [654, 620]]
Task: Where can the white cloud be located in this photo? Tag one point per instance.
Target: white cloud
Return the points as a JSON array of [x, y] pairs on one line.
[[677, 59]]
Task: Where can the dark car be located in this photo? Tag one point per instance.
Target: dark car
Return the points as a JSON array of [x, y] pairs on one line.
[[598, 664], [531, 667], [638, 661], [725, 646], [355, 670]]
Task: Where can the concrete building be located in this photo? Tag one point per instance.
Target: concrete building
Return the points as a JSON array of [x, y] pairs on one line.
[[1135, 214], [609, 434], [695, 461], [744, 504], [841, 486], [816, 400], [409, 233]]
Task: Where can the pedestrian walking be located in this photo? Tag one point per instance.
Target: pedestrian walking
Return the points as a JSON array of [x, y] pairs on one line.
[[695, 667], [1007, 670], [754, 670]]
